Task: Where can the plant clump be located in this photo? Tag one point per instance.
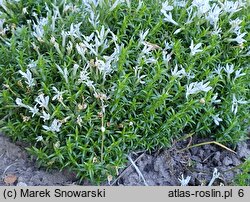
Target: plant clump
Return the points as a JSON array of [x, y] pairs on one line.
[[87, 81]]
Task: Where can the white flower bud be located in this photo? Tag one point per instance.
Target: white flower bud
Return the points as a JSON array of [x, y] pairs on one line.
[[103, 129]]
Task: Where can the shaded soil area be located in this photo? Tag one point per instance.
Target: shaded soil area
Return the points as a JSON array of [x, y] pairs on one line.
[[16, 168], [163, 168], [166, 167]]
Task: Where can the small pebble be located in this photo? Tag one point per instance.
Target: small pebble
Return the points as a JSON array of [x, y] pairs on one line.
[[227, 161], [21, 184]]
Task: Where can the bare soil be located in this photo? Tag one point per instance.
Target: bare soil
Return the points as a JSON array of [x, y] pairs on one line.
[[163, 168], [166, 167], [14, 161]]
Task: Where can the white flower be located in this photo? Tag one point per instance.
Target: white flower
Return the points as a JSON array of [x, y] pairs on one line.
[[150, 60], [1, 25], [217, 119], [166, 7], [218, 70], [39, 28], [56, 45], [93, 48], [242, 3], [34, 110], [38, 32], [184, 181], [137, 74], [45, 116], [103, 129], [180, 3], [239, 74], [146, 50], [168, 45], [53, 40], [235, 25], [64, 73], [35, 15], [143, 35], [137, 70], [235, 103], [69, 47], [84, 76], [43, 21], [100, 37], [191, 15], [217, 30], [32, 64], [196, 87], [43, 101], [28, 77], [214, 99], [169, 18], [39, 138], [89, 38], [128, 3], [55, 126], [115, 4], [64, 36], [81, 49], [213, 14], [75, 68], [202, 6], [75, 30], [58, 94], [178, 31], [94, 19], [195, 49], [190, 75], [19, 103], [166, 57], [25, 11], [79, 120], [140, 79], [178, 73], [90, 84], [70, 7], [91, 3], [230, 6], [239, 39], [139, 5], [104, 66], [3, 5], [114, 38], [229, 69]]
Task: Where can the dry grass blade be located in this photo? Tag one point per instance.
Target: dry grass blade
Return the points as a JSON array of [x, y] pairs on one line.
[[206, 143], [124, 171], [223, 146], [137, 170], [186, 136], [7, 169]]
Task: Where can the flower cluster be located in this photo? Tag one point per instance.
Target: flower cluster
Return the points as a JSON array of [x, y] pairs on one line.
[[92, 80]]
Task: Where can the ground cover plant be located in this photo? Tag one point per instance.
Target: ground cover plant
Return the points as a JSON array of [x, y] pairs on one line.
[[85, 82], [243, 179]]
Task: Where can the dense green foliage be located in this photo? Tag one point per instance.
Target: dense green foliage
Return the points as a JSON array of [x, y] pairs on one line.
[[87, 82], [243, 179]]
